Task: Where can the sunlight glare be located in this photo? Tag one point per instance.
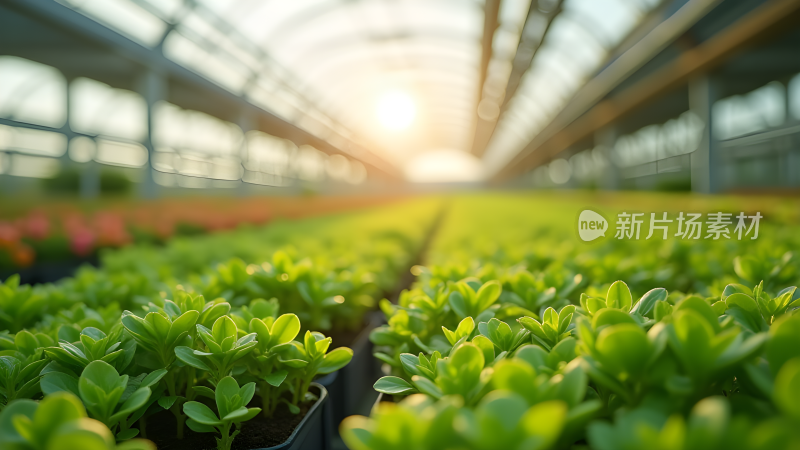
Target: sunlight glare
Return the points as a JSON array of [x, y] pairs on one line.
[[396, 110]]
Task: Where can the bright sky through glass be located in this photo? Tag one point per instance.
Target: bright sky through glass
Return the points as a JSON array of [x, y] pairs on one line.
[[396, 110], [336, 68]]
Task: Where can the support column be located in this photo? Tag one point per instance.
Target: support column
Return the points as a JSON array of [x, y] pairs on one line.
[[790, 153], [152, 85], [6, 181], [89, 171], [247, 122], [90, 180], [705, 164], [610, 178]]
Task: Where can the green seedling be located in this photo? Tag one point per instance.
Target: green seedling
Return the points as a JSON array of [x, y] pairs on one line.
[[58, 422], [115, 400], [554, 327], [232, 410], [223, 349], [94, 345]]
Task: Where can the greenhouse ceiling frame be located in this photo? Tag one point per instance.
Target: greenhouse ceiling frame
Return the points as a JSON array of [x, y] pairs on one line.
[[99, 47], [597, 106], [527, 48]]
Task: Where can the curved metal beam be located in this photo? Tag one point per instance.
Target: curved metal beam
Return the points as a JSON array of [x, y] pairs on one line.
[[765, 19]]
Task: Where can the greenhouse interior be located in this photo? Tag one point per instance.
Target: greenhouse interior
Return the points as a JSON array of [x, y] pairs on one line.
[[399, 224]]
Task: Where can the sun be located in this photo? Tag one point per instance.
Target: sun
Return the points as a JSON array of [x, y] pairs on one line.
[[396, 110]]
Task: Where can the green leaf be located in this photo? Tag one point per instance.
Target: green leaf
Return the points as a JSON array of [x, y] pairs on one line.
[[242, 414], [517, 376], [734, 288], [134, 402], [276, 378], [782, 346], [204, 391], [394, 386], [786, 394], [610, 316], [153, 377], [572, 387], [335, 360], [167, 402], [743, 301], [487, 295], [486, 346], [458, 304], [8, 433], [691, 340], [623, 349], [564, 351], [59, 382], [284, 329], [200, 413], [68, 333], [427, 387], [619, 296], [662, 310], [56, 410], [188, 356], [226, 389], [130, 433], [545, 421], [702, 307], [198, 427], [460, 373], [223, 328], [534, 355], [648, 301], [26, 342], [101, 374], [247, 392], [181, 325]]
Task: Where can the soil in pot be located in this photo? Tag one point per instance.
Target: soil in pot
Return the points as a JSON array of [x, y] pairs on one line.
[[260, 432]]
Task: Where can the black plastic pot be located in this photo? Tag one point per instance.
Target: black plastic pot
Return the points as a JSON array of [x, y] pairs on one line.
[[26, 275], [350, 388], [48, 272], [315, 431]]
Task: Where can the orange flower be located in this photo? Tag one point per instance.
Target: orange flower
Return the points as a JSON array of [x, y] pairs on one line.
[[22, 255]]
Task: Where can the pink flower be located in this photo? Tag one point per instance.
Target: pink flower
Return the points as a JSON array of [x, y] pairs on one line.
[[8, 233], [36, 226], [81, 241]]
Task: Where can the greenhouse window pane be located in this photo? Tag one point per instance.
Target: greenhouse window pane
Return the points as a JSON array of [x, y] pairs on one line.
[[97, 108], [32, 92], [117, 153], [33, 166], [32, 142]]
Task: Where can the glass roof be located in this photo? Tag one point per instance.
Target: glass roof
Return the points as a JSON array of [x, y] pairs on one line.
[[325, 65], [576, 45], [343, 55]]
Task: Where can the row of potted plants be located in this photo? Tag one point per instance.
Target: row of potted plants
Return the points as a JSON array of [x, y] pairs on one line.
[[200, 360], [517, 336], [328, 271], [663, 371], [154, 348]]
